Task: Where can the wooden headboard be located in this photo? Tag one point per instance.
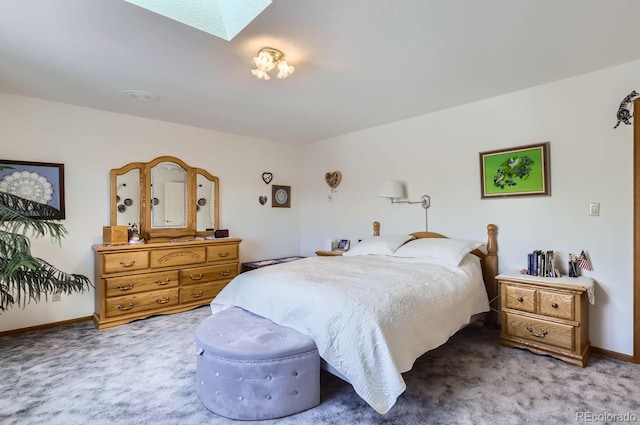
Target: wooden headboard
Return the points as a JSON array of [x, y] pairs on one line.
[[488, 260]]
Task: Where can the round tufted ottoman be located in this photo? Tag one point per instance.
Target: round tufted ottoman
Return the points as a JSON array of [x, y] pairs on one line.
[[250, 368]]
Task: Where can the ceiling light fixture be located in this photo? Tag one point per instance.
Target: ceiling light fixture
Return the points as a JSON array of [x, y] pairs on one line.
[[268, 59]]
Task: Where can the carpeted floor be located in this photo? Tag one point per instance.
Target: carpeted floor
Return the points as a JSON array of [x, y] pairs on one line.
[[144, 372]]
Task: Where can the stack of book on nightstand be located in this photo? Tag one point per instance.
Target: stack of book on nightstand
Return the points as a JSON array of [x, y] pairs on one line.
[[542, 263]]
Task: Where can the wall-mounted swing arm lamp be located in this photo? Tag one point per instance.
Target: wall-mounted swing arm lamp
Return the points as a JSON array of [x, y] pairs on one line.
[[395, 191]]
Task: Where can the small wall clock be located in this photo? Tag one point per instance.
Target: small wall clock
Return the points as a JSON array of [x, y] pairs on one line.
[[281, 196]]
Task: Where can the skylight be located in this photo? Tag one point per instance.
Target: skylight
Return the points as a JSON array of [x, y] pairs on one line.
[[222, 18]]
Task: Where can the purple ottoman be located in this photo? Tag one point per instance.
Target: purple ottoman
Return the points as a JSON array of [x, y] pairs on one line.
[[250, 368]]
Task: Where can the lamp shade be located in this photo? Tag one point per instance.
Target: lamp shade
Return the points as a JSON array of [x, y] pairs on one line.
[[392, 189]]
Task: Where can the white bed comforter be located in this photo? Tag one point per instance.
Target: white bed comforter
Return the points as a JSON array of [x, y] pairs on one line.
[[371, 317]]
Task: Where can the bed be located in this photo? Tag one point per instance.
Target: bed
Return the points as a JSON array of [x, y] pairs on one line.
[[373, 311]]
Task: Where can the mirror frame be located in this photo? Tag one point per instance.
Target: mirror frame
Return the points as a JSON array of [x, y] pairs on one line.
[[165, 234]]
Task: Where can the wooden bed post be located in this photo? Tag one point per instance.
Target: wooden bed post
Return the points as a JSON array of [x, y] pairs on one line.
[[490, 271], [376, 228]]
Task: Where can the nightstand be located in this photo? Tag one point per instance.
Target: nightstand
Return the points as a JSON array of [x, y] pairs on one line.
[[329, 253], [263, 263], [546, 315]]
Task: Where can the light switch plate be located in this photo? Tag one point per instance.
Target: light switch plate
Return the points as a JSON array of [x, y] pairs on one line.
[[594, 208]]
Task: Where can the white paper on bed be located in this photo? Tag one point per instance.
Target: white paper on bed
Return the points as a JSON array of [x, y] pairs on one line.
[[370, 316]]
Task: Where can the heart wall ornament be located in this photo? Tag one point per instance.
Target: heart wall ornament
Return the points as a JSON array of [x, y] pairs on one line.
[[267, 177], [262, 200], [333, 179]]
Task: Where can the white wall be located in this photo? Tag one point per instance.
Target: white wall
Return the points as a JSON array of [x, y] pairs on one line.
[[91, 142], [438, 155]]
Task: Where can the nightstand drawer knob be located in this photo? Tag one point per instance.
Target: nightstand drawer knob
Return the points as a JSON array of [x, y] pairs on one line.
[[542, 335], [554, 305], [520, 299]]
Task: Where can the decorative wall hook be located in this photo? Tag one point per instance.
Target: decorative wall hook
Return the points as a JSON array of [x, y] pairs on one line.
[[333, 179]]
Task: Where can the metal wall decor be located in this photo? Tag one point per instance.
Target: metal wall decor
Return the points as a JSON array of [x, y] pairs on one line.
[[624, 113], [267, 177]]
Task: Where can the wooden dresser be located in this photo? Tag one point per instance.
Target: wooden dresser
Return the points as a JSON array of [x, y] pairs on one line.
[[138, 281], [546, 315]]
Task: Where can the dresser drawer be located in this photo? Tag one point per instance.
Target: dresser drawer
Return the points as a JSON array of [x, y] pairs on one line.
[[519, 298], [136, 303], [208, 273], [201, 292], [178, 256], [118, 286], [222, 252], [554, 304], [125, 261], [540, 331]]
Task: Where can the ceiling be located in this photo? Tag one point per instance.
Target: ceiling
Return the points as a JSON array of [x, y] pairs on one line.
[[359, 63]]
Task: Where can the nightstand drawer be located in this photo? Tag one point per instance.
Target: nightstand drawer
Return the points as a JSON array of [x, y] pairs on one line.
[[540, 331], [519, 298], [554, 304]]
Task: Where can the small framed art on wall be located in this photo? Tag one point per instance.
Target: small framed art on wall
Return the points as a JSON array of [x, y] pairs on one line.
[[518, 171], [280, 196], [41, 182]]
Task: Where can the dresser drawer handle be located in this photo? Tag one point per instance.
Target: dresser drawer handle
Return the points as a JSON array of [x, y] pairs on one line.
[[554, 305], [520, 299], [198, 295], [194, 277], [160, 283], [123, 264], [225, 273], [542, 335], [223, 254], [122, 308], [125, 288], [163, 300]]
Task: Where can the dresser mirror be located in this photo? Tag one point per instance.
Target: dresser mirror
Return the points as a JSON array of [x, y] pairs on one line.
[[166, 197], [168, 204], [126, 189], [206, 201]]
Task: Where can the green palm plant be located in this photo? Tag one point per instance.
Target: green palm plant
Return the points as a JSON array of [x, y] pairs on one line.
[[23, 277]]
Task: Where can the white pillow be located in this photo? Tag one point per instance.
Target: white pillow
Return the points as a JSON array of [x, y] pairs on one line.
[[450, 251], [378, 245]]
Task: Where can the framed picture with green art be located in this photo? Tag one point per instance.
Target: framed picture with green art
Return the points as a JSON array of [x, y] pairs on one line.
[[519, 171]]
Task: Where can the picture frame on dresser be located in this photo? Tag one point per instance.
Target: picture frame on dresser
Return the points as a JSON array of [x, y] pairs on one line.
[[343, 244], [516, 171], [41, 182]]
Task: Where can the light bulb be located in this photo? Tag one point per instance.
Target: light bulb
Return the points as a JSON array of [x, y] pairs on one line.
[[260, 74], [285, 69]]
